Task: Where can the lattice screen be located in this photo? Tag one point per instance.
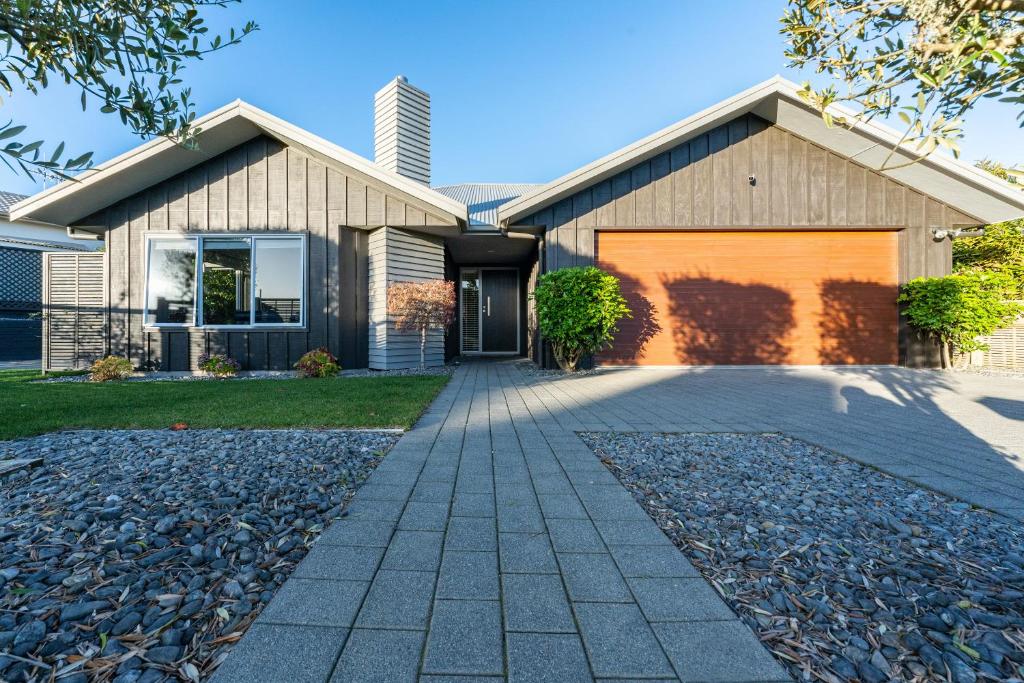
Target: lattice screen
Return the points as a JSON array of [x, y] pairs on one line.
[[21, 278]]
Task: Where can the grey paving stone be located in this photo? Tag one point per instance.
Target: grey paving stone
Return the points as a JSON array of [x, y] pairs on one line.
[[674, 599], [527, 554], [314, 602], [439, 473], [274, 652], [471, 533], [465, 638], [468, 576], [339, 563], [414, 551], [593, 578], [374, 533], [387, 510], [520, 518], [374, 490], [645, 561], [536, 603], [631, 532], [398, 599], [423, 516], [574, 535], [561, 506], [473, 505], [510, 474], [619, 642], [475, 483], [546, 658], [432, 492], [462, 679], [718, 652], [376, 656], [614, 508], [556, 483]]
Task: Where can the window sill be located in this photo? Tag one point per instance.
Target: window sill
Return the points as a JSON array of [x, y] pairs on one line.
[[224, 328]]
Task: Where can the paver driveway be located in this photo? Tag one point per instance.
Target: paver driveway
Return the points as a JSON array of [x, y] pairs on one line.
[[492, 545]]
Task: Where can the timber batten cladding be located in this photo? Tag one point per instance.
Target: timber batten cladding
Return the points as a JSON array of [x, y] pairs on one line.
[[259, 186], [704, 183]]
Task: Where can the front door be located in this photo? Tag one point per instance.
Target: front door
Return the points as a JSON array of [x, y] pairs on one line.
[[490, 310]]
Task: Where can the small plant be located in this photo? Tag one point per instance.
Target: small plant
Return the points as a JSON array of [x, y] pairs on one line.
[[955, 310], [110, 368], [422, 306], [578, 310], [218, 365], [318, 363]]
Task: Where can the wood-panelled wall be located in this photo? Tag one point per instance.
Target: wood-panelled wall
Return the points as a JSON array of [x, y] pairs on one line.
[[261, 185], [704, 184]]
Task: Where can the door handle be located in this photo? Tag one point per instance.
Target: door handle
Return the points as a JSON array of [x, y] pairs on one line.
[[488, 307]]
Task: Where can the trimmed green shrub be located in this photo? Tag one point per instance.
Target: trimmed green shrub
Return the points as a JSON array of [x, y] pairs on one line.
[[578, 310], [955, 310], [218, 365], [318, 363], [1000, 249], [110, 368]]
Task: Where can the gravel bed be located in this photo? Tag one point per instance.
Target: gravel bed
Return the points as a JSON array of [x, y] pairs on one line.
[[844, 572], [142, 556], [254, 374]]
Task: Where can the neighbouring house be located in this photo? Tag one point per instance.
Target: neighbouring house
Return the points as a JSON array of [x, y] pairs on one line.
[[748, 233], [22, 246]]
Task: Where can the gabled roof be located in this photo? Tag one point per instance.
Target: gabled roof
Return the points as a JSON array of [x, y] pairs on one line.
[[222, 129], [9, 199], [38, 245], [483, 199], [967, 189]]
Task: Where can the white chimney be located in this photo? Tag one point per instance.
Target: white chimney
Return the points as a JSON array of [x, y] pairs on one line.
[[401, 130]]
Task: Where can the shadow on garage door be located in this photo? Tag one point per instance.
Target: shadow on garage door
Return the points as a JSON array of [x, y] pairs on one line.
[[21, 337]]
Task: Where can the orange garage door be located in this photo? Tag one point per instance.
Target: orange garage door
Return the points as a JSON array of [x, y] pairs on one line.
[[754, 298]]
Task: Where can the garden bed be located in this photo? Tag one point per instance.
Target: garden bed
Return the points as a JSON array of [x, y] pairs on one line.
[[146, 554], [844, 572]]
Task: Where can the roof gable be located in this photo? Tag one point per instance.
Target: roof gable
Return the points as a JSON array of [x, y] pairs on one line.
[[957, 184], [220, 130]]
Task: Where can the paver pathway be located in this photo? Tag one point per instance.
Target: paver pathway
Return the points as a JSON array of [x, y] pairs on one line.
[[491, 544]]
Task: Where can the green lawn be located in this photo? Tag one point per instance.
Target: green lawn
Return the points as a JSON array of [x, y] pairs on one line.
[[27, 409]]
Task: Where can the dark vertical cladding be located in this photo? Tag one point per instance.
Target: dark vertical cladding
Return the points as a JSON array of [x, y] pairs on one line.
[[748, 174], [258, 186]]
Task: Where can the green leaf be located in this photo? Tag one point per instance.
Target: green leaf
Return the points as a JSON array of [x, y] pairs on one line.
[[11, 131]]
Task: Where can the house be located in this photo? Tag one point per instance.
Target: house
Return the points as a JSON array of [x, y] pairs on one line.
[[22, 245], [748, 233]]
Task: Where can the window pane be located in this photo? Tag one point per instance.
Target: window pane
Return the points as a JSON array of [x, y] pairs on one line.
[[227, 278], [171, 284], [279, 280]]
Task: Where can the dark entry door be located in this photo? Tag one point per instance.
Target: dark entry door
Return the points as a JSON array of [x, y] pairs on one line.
[[499, 310]]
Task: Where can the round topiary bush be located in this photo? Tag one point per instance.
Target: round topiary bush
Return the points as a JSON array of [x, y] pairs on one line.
[[318, 363], [110, 369], [578, 310]]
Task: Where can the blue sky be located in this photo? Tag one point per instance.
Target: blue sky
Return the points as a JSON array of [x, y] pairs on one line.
[[521, 91]]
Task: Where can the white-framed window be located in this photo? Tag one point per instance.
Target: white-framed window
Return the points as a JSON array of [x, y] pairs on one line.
[[225, 281]]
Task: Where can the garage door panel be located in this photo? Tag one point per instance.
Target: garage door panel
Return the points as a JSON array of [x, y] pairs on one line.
[[703, 298]]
